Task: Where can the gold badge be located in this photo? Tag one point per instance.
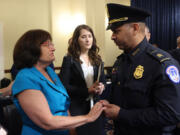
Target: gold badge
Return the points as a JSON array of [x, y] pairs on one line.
[[138, 73]]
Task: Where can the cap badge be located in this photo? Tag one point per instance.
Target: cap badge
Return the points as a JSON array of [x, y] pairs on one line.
[[136, 51], [173, 73], [138, 73], [118, 20]]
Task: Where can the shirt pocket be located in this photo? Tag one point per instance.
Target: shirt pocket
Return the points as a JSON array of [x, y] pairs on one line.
[[137, 93]]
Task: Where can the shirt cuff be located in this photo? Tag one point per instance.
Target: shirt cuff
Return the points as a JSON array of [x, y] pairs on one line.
[[127, 117]]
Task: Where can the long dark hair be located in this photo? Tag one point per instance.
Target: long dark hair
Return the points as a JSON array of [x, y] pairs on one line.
[[74, 49], [27, 49]]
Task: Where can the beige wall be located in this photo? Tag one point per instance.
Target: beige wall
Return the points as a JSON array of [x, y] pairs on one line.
[[1, 52], [66, 15], [59, 17], [18, 16]]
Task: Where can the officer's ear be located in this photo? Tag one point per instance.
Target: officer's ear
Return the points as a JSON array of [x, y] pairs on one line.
[[136, 28]]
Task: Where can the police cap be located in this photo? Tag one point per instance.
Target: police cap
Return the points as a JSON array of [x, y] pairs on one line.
[[120, 14]]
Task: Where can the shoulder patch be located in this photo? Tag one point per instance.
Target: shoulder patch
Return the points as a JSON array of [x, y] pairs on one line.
[[173, 73], [160, 56]]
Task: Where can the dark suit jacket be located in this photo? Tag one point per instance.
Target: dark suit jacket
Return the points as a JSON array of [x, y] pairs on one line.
[[72, 77]]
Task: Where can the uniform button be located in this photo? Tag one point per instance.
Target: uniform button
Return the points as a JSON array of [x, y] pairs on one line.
[[118, 83]]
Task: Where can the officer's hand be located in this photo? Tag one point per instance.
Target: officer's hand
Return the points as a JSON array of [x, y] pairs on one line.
[[111, 110]]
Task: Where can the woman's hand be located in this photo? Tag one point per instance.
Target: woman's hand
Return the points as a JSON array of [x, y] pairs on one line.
[[99, 88], [96, 88], [95, 112]]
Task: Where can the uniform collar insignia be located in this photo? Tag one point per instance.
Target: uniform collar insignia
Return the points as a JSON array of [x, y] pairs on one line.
[[159, 55], [138, 73], [135, 51], [139, 48]]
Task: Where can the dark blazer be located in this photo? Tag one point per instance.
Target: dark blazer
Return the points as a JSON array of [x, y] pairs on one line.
[[72, 77]]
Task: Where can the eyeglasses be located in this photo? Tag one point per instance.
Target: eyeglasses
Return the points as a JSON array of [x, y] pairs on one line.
[[48, 44]]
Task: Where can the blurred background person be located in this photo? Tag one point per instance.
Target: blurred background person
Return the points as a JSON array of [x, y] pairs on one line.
[[178, 42], [38, 93], [83, 76], [175, 53], [7, 90]]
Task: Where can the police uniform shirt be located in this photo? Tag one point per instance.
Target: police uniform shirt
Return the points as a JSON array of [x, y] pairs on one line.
[[146, 86]]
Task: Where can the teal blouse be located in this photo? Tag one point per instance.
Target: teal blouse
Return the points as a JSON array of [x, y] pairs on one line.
[[55, 93]]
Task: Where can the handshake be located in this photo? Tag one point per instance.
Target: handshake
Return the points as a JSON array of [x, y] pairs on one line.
[[103, 106]]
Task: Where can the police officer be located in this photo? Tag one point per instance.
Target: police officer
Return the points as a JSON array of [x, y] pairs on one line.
[[145, 96]]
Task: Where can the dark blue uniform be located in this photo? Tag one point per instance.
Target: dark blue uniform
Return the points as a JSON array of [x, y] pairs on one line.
[[146, 86]]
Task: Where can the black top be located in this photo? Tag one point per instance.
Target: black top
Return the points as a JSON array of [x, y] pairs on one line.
[[72, 77], [146, 86]]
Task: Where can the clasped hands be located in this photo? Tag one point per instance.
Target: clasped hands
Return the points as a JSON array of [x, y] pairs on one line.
[[110, 110]]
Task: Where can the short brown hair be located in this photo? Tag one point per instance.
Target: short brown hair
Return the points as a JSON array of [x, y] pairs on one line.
[[27, 49]]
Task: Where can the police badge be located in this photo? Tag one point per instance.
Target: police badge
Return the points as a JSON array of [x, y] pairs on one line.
[[138, 73]]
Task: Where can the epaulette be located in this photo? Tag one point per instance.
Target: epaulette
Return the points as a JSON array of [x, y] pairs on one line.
[[159, 55]]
